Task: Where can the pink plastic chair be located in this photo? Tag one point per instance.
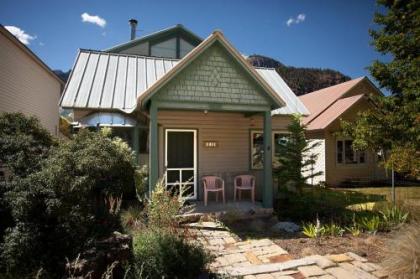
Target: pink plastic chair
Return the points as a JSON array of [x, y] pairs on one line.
[[213, 184], [244, 183]]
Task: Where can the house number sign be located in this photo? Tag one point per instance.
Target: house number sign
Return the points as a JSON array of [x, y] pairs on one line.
[[210, 144]]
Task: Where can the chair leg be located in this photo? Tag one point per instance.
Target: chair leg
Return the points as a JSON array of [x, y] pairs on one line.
[[234, 194], [217, 196], [253, 195], [205, 198], [240, 194], [223, 195]]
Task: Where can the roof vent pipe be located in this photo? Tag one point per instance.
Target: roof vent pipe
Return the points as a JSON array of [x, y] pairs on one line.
[[133, 23]]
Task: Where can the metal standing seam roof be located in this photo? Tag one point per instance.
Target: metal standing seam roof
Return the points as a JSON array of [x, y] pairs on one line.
[[293, 104], [102, 80]]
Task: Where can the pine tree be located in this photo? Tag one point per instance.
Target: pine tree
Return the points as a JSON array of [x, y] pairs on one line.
[[296, 157], [393, 127]]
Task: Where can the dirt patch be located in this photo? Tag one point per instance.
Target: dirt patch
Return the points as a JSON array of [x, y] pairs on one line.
[[297, 245], [368, 246]]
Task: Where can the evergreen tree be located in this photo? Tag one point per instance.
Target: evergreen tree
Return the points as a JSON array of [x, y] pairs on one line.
[[393, 126], [296, 157]]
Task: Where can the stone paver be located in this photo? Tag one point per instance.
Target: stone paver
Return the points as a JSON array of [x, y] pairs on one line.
[[311, 270], [262, 258]]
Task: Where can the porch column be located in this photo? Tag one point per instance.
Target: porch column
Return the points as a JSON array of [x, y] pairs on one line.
[[136, 143], [153, 152], [268, 172]]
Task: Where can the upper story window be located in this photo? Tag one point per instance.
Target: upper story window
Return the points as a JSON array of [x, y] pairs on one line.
[[175, 47], [165, 49], [346, 154]]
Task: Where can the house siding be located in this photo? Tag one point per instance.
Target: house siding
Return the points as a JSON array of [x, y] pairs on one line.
[[213, 78], [337, 173], [27, 87], [232, 133]]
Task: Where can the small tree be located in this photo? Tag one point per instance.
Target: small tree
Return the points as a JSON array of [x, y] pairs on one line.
[[295, 157]]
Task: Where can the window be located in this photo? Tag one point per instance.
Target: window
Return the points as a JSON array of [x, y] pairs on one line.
[[346, 154], [257, 148]]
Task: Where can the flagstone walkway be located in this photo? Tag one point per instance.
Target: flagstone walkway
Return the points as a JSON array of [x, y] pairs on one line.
[[262, 258]]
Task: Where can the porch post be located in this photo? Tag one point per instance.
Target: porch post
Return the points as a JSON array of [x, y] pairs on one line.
[[153, 157], [268, 172], [136, 143]]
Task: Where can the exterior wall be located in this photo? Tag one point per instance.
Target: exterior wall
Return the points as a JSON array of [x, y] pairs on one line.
[[25, 86], [337, 173], [232, 133], [139, 49], [319, 166], [213, 78]]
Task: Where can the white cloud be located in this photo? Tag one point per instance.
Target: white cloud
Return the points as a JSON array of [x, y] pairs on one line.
[[299, 18], [20, 34], [41, 44], [93, 19]]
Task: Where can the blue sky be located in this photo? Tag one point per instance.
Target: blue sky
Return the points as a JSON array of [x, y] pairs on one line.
[[327, 34]]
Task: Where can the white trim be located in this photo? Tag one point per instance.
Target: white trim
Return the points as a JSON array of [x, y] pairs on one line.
[[194, 168]]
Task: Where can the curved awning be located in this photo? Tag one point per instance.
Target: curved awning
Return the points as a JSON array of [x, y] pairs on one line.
[[109, 119]]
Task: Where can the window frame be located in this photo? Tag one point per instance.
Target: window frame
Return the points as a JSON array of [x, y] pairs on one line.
[[356, 154], [251, 146]]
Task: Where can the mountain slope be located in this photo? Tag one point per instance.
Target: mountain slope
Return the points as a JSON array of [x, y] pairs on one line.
[[300, 80]]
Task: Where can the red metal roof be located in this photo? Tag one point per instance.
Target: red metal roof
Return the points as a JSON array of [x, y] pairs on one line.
[[333, 112], [318, 101]]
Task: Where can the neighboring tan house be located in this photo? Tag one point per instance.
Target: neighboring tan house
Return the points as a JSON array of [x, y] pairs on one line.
[[188, 107], [336, 158], [27, 85]]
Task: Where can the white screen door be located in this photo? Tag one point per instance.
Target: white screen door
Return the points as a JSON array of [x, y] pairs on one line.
[[181, 161]]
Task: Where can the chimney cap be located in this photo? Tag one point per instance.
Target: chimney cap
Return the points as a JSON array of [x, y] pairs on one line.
[[133, 21]]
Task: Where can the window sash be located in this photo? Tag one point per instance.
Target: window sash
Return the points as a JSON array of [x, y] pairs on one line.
[[345, 155], [257, 148]]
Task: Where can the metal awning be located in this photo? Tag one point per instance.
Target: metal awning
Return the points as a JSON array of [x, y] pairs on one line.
[[108, 119]]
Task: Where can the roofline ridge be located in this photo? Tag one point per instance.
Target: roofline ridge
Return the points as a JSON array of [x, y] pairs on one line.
[[127, 55]]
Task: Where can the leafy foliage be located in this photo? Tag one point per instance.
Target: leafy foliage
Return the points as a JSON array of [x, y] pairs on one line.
[[60, 209], [295, 157], [24, 143], [160, 254], [393, 217], [393, 127], [371, 224], [313, 230], [300, 80]]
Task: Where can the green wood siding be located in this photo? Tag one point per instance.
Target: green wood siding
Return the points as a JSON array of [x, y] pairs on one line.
[[214, 77]]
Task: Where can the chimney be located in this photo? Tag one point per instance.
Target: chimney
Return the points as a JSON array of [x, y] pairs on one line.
[[133, 24]]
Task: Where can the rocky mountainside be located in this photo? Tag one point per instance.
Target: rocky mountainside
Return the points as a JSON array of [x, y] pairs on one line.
[[300, 80]]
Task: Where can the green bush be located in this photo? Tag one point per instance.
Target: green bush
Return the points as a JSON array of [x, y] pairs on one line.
[[333, 230], [59, 210], [371, 224], [24, 143], [393, 217], [158, 254]]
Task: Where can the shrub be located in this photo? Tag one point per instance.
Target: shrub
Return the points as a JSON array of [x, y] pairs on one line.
[[59, 209], [162, 208], [24, 143], [393, 217], [313, 230], [333, 230], [141, 179], [132, 219], [403, 253], [371, 224], [158, 254]]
